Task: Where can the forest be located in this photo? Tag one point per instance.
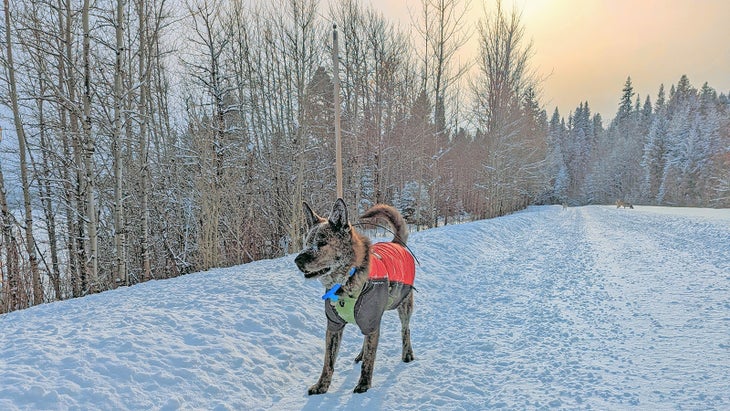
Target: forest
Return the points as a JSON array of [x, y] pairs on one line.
[[147, 139]]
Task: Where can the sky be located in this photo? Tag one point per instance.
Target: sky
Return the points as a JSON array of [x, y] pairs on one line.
[[586, 49]]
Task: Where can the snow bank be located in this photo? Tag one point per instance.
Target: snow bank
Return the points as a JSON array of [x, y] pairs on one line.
[[589, 307]]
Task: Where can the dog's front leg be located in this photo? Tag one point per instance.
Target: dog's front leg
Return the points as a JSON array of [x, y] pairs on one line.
[[332, 346], [370, 347]]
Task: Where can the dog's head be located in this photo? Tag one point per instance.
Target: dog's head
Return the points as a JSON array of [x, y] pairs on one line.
[[328, 245]]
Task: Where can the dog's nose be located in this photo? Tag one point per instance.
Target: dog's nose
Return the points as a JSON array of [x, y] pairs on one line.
[[301, 260]]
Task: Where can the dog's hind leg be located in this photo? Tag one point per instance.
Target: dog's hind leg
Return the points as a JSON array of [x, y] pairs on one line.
[[405, 309], [359, 356], [332, 346], [369, 349]]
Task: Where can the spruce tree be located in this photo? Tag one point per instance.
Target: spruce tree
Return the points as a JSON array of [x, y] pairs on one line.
[[625, 105]]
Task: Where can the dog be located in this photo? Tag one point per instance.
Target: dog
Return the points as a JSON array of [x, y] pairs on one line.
[[362, 282], [624, 204]]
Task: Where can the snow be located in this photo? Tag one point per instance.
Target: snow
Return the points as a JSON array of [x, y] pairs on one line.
[[585, 308]]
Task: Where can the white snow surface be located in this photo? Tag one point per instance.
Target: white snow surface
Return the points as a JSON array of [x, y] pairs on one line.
[[586, 308]]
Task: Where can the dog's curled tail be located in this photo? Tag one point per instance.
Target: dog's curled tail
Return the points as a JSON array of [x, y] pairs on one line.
[[392, 216]]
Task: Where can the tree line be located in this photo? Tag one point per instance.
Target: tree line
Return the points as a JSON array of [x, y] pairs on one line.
[[156, 138], [674, 151]]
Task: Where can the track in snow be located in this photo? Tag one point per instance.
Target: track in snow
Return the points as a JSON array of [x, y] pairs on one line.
[[589, 307]]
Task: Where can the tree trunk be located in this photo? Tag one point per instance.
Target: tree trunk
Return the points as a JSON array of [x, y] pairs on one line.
[[144, 80], [71, 172], [120, 269], [29, 238], [10, 297], [88, 150], [46, 196]]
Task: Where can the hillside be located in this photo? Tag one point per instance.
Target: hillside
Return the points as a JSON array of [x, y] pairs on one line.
[[589, 307]]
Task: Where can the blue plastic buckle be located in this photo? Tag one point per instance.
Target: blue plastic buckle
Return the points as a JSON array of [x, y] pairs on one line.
[[331, 292]]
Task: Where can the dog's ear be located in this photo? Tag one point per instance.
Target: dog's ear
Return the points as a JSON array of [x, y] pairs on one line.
[[311, 217], [338, 216]]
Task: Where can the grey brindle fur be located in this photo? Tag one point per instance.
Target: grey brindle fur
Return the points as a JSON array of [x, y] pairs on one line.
[[331, 249]]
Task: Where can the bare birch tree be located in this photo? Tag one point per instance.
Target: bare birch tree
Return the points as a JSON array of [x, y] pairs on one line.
[[88, 153], [209, 133], [35, 49], [69, 113], [144, 68], [444, 31], [503, 78], [22, 152], [11, 293], [120, 260]]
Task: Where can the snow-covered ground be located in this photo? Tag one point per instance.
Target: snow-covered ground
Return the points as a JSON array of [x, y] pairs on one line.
[[585, 308]]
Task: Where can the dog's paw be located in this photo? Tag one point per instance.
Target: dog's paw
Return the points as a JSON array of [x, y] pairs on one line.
[[317, 389], [361, 388]]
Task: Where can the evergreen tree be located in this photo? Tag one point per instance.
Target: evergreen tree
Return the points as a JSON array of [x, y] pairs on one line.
[[680, 145], [645, 118], [660, 100], [625, 105], [654, 157], [556, 169]]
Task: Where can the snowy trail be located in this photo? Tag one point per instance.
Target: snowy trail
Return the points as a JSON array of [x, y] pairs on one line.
[[669, 284], [531, 317], [585, 308]]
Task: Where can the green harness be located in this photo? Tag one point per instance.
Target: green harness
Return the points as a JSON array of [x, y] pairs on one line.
[[345, 307]]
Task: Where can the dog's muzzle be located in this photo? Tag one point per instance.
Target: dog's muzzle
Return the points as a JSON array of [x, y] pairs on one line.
[[302, 260]]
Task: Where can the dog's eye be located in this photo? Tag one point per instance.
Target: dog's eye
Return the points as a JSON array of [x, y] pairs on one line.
[[321, 244]]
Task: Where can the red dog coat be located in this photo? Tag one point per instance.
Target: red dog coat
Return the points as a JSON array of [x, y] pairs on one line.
[[392, 261]]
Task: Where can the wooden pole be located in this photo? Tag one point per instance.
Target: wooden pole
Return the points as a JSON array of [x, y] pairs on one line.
[[338, 136]]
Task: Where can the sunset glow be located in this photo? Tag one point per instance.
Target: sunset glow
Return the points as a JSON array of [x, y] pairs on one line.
[[586, 49]]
